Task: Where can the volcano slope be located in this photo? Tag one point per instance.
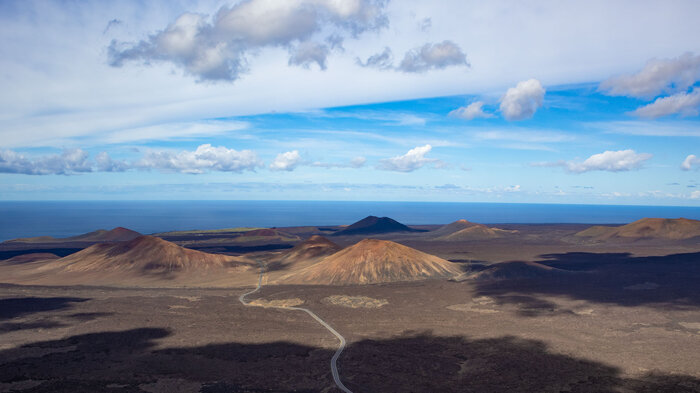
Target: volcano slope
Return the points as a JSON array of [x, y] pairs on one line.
[[143, 261], [646, 228], [373, 261], [303, 254]]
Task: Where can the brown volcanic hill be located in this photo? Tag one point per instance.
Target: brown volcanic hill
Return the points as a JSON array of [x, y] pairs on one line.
[[647, 228], [145, 253], [372, 225], [372, 261], [452, 228], [118, 234], [144, 261]]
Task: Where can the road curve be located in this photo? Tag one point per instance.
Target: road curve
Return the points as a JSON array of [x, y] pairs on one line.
[[341, 347]]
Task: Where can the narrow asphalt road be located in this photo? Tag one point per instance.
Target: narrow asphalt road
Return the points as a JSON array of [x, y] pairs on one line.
[[341, 347]]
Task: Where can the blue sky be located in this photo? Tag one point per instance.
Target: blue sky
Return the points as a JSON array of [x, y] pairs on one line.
[[581, 102]]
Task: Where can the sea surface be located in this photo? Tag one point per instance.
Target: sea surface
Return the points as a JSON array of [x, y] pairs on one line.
[[69, 218]]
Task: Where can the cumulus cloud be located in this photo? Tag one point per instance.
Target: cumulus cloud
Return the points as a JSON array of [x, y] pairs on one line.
[[383, 60], [216, 48], [409, 162], [307, 53], [70, 161], [433, 56], [690, 161], [610, 161], [286, 161], [204, 159], [658, 76], [685, 104], [472, 111], [105, 163], [522, 101]]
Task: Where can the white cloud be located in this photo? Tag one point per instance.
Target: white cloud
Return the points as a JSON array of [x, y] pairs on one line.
[[287, 161], [611, 161], [204, 159], [522, 101], [690, 161], [649, 128], [383, 60], [307, 53], [685, 104], [409, 162], [433, 56], [105, 163], [218, 48], [69, 162], [658, 76], [472, 111]]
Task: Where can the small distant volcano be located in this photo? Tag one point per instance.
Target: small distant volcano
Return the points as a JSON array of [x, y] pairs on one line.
[[463, 230], [372, 225], [372, 261], [646, 228]]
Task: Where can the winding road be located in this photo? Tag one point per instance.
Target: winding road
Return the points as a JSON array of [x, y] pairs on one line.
[[341, 347]]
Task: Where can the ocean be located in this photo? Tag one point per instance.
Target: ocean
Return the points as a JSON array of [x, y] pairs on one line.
[[69, 218]]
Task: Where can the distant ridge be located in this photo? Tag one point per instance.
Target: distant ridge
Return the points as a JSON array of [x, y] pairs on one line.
[[646, 228], [118, 234], [372, 225], [373, 261], [32, 257]]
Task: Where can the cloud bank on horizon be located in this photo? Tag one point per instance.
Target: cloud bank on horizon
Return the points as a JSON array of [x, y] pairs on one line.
[[456, 102]]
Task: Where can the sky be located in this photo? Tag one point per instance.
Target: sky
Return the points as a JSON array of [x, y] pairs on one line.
[[584, 102]]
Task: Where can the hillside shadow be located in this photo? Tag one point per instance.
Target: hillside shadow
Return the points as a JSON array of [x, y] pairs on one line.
[[669, 281], [132, 360], [22, 306]]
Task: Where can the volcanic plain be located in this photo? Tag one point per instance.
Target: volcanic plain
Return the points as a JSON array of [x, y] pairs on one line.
[[460, 307]]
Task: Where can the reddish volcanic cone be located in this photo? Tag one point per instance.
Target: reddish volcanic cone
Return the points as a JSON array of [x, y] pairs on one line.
[[374, 261]]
